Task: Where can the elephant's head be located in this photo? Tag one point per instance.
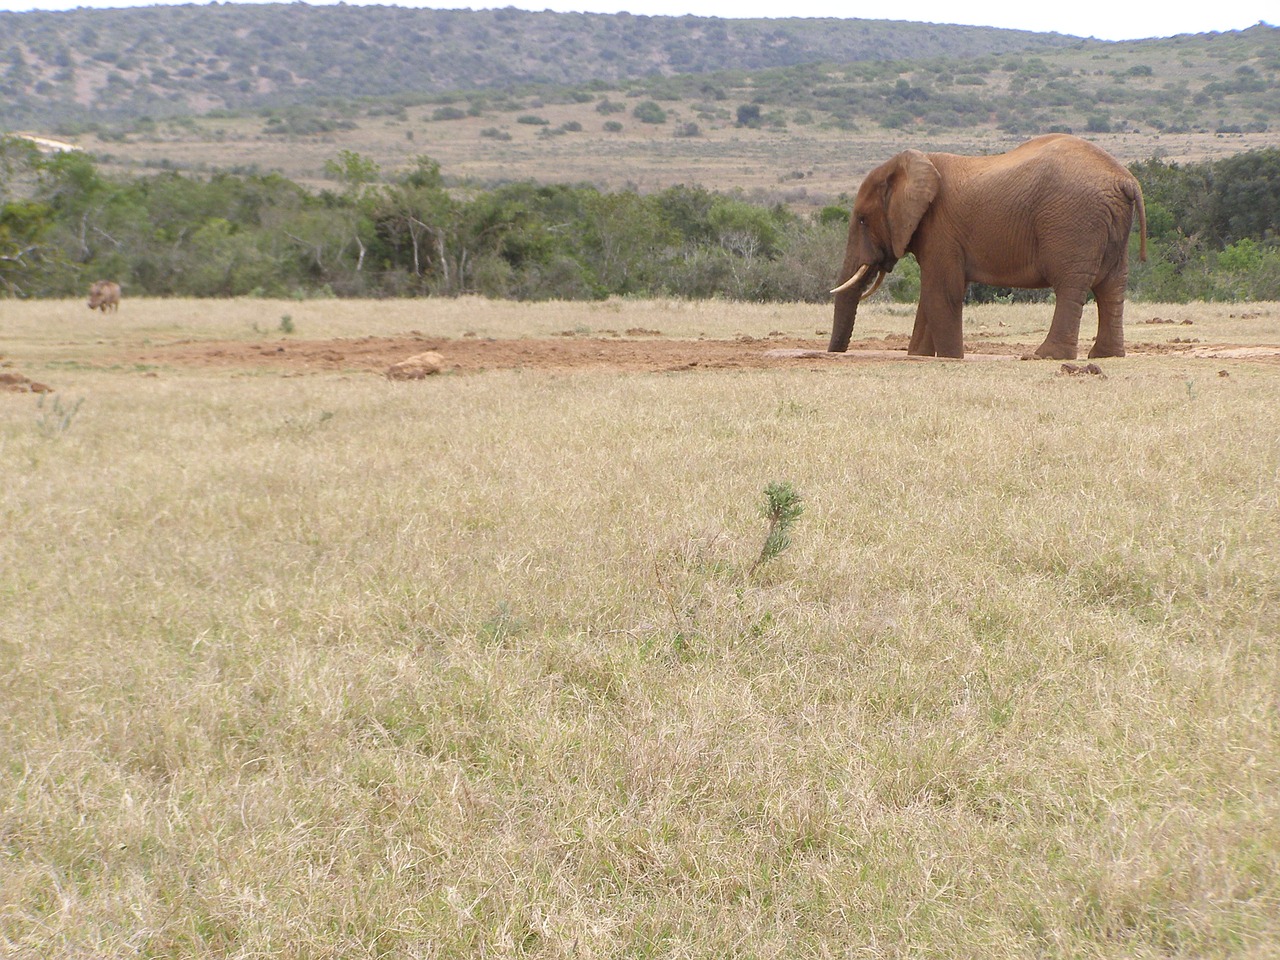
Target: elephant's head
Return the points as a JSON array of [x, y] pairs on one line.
[[890, 203]]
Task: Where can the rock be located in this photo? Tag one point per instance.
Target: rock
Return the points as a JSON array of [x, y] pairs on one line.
[[417, 367]]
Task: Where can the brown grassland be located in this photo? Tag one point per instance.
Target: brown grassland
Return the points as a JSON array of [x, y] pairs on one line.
[[299, 661]]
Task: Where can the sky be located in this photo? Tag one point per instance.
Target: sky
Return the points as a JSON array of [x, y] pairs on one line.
[[1103, 19]]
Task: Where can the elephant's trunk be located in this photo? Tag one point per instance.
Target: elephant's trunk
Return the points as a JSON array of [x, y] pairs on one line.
[[848, 295]]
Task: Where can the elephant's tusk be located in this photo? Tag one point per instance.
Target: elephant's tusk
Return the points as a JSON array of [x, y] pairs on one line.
[[852, 280], [874, 287]]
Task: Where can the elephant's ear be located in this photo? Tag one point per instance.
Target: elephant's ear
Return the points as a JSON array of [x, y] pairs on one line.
[[914, 185]]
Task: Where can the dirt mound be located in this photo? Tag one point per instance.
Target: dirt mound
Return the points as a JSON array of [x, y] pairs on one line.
[[11, 382]]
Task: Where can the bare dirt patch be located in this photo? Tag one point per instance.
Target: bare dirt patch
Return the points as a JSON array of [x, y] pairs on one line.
[[653, 353], [568, 352]]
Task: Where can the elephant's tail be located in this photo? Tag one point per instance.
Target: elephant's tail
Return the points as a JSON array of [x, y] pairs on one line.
[[1135, 197]]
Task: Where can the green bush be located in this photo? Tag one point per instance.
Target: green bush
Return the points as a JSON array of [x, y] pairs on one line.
[[649, 112]]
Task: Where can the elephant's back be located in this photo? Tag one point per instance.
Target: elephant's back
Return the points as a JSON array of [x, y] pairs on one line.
[[1057, 164]]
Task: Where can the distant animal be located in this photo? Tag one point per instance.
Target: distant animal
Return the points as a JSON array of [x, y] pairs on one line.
[[1054, 212], [104, 294]]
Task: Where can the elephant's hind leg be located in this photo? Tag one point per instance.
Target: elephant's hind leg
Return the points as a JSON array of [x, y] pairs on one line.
[[1063, 340], [1110, 297]]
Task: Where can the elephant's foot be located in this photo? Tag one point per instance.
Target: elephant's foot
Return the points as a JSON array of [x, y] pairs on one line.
[[1106, 350], [1052, 351]]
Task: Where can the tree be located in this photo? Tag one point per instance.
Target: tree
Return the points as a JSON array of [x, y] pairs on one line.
[[352, 170], [416, 219], [1246, 196], [1177, 197], [625, 239], [77, 193], [357, 175], [25, 224], [25, 255]]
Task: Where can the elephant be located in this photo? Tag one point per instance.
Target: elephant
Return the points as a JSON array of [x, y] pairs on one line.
[[1054, 212], [104, 294]]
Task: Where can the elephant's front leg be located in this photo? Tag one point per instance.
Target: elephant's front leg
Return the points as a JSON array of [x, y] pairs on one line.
[[921, 344], [939, 330]]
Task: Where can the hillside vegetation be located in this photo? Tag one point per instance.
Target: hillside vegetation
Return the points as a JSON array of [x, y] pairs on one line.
[[167, 59], [813, 127], [90, 65]]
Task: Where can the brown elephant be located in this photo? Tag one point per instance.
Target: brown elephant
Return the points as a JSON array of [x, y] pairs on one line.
[[1054, 212], [104, 295]]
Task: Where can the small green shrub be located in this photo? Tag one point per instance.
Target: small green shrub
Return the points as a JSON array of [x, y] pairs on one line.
[[55, 417], [649, 112], [781, 509]]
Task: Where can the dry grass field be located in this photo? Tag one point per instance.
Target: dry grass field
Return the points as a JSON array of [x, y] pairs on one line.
[[299, 661]]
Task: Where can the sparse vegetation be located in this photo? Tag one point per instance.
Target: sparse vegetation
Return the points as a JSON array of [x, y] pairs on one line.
[[54, 417]]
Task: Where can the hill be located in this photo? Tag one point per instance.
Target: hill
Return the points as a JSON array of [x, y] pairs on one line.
[[169, 60], [799, 134]]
